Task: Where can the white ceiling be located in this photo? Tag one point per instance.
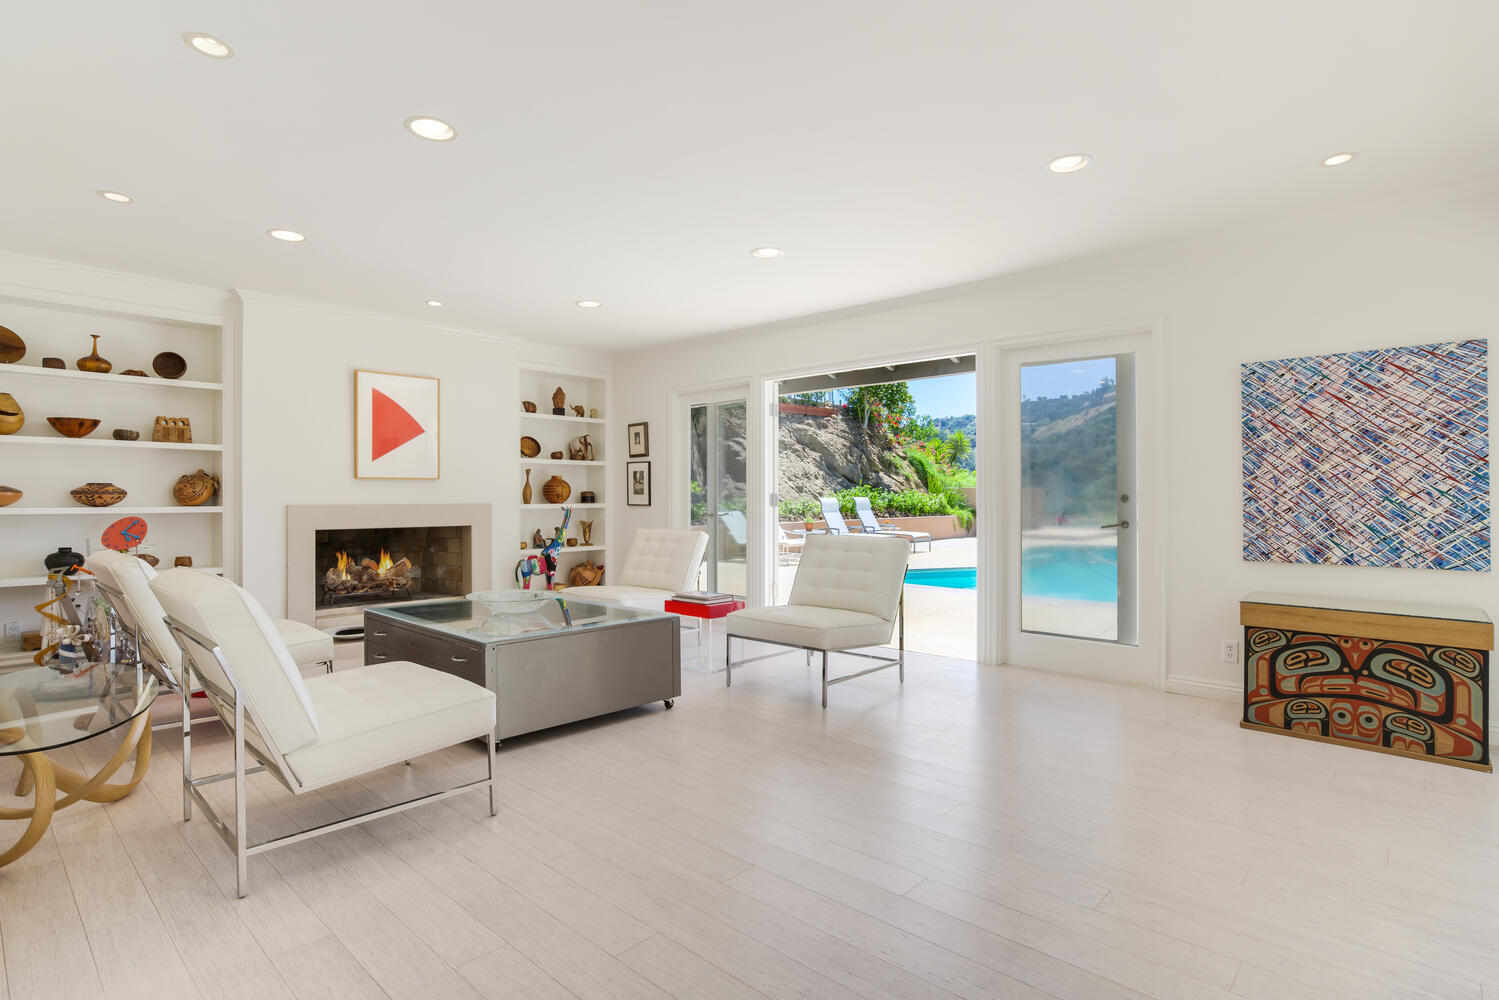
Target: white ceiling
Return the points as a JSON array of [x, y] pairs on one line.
[[635, 153]]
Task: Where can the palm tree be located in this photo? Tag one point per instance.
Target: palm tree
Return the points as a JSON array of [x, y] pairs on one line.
[[957, 446]]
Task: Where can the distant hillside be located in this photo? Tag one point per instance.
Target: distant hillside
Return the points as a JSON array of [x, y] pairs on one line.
[[1070, 448]]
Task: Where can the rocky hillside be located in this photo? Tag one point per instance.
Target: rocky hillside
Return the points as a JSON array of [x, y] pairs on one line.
[[821, 454]]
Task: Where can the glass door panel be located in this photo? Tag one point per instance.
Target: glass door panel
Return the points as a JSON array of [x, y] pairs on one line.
[[1077, 548], [718, 490]]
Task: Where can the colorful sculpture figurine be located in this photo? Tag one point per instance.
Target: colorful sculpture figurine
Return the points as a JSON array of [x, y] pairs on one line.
[[546, 562]]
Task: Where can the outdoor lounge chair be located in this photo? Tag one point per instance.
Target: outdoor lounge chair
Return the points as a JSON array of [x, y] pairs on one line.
[[849, 593], [787, 544], [833, 517], [872, 526]]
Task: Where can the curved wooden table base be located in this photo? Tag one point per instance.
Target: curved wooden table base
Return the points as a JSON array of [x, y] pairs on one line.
[[43, 778]]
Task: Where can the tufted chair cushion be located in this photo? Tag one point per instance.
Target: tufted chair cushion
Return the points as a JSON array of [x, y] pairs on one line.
[[862, 573], [268, 677], [663, 559]]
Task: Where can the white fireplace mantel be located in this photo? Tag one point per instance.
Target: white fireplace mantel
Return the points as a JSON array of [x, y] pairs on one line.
[[304, 521]]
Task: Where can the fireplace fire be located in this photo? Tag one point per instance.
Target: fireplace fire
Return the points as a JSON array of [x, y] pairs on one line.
[[368, 579]]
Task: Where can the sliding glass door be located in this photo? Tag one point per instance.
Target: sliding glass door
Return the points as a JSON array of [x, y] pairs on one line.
[[717, 433]]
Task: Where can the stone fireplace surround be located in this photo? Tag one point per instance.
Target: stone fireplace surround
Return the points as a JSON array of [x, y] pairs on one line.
[[304, 521]]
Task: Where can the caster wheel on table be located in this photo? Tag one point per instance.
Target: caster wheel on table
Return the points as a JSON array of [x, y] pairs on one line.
[[667, 703]]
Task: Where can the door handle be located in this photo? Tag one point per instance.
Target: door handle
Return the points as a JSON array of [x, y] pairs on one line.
[[1116, 524]]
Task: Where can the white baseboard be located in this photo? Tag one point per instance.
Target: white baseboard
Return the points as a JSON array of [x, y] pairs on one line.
[[1206, 687]]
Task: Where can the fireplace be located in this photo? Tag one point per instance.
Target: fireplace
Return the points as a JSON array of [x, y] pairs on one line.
[[358, 566], [391, 553]]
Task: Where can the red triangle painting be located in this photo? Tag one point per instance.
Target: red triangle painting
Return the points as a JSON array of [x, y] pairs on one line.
[[390, 425]]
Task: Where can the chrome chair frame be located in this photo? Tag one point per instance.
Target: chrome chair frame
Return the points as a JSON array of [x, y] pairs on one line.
[[885, 662], [141, 651], [271, 761]]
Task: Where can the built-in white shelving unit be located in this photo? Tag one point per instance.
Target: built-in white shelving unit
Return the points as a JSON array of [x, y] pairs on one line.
[[556, 432], [45, 465]]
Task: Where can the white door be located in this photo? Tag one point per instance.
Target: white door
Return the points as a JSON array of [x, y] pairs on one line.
[[1080, 566]]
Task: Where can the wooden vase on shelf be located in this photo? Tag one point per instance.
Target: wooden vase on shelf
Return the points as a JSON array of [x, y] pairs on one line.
[[556, 490], [525, 491], [93, 362], [587, 528], [195, 489]]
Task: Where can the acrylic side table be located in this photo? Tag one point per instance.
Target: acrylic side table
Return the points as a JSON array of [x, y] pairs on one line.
[[706, 615]]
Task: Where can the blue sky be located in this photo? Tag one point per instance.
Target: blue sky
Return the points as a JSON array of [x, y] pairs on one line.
[[948, 396], [953, 395], [1065, 378]]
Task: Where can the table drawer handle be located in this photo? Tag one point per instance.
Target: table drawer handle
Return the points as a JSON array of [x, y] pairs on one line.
[[380, 656], [459, 659], [380, 634]]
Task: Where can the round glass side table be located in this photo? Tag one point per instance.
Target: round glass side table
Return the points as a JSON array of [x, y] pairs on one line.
[[43, 709]]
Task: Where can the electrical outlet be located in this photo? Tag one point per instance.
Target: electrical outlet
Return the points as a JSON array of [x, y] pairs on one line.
[[12, 631], [1230, 651]]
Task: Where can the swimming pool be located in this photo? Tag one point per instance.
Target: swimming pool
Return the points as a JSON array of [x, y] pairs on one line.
[[1069, 572], [954, 578]]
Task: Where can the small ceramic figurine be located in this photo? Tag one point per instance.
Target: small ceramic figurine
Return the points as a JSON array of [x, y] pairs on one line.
[[537, 541], [593, 414], [577, 410]]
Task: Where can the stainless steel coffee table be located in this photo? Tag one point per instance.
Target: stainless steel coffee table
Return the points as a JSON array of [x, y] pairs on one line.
[[549, 660]]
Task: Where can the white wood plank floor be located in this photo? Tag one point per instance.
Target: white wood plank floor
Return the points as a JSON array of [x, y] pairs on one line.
[[982, 832]]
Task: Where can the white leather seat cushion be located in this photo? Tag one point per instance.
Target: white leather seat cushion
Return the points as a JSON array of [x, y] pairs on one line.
[[268, 676], [306, 644], [386, 713], [861, 573], [608, 593], [819, 628], [663, 559]]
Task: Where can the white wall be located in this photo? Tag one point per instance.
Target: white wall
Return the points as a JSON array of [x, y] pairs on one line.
[[297, 364], [1412, 272]]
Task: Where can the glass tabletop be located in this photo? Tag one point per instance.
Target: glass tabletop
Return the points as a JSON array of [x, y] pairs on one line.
[[42, 708], [513, 615]]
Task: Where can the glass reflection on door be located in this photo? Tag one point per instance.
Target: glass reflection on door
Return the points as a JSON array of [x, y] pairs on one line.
[[1077, 553]]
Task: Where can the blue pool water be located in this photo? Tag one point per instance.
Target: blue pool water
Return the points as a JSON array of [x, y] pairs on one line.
[[1071, 572], [959, 578]]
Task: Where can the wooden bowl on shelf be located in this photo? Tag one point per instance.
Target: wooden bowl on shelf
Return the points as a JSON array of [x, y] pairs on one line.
[[529, 447], [169, 364], [97, 494], [73, 427], [12, 347], [9, 495]]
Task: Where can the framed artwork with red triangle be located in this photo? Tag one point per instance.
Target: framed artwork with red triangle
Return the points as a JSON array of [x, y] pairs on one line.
[[396, 424]]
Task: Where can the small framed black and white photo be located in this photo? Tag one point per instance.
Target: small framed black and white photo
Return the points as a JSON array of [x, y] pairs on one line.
[[640, 439], [638, 484]]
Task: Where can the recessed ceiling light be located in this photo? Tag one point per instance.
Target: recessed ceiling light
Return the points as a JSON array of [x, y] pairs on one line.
[[431, 128], [586, 304], [434, 303], [208, 45], [1070, 163], [115, 196], [285, 235], [1337, 159], [766, 253]]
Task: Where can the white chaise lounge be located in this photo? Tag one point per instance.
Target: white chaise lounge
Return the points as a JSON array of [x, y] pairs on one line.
[[311, 733], [661, 562], [125, 582], [849, 593]]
